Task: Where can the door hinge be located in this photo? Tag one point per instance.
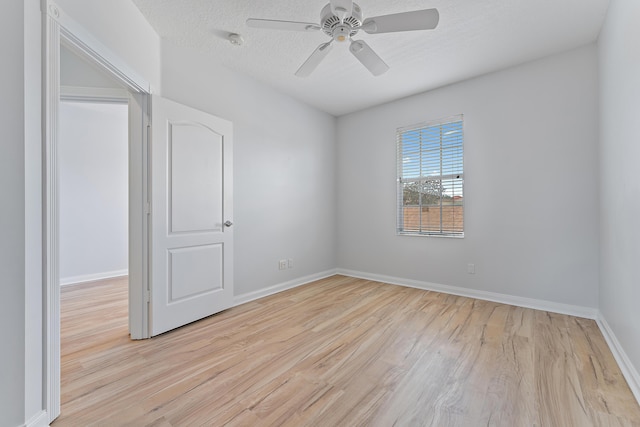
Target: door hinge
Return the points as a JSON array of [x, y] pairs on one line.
[[147, 208], [147, 295]]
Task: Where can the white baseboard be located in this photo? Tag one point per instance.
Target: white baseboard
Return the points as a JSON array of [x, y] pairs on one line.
[[261, 293], [92, 277], [628, 370], [554, 307], [41, 419]]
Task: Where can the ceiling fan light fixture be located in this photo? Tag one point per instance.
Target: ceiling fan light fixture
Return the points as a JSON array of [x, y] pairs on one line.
[[341, 33]]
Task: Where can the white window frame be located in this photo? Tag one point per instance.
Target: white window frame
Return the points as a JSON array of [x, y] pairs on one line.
[[422, 176]]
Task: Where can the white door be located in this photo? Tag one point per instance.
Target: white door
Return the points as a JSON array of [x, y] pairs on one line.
[[191, 215]]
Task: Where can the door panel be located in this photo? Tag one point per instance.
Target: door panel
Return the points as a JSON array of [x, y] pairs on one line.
[[191, 248], [194, 271], [196, 182]]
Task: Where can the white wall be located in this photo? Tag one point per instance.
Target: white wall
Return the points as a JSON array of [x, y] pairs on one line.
[[93, 182], [284, 169], [20, 287], [12, 215], [120, 26], [531, 214], [33, 212], [619, 151], [74, 71]]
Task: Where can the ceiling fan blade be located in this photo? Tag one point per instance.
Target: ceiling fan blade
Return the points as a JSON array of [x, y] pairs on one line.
[[342, 8], [426, 19], [314, 60], [368, 57], [272, 24]]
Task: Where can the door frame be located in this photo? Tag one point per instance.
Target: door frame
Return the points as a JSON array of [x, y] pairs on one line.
[[60, 28]]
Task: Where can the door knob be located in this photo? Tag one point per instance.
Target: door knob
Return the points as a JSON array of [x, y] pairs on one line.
[[228, 224]]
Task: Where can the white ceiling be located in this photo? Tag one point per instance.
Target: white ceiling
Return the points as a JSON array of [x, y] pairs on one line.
[[474, 37]]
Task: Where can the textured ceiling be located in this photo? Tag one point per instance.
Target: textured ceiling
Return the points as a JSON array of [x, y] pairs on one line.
[[472, 38]]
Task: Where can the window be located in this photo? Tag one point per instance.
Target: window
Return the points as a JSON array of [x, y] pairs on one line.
[[431, 179]]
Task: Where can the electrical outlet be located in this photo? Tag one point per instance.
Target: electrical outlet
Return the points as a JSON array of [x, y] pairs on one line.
[[282, 264], [471, 268], [290, 263]]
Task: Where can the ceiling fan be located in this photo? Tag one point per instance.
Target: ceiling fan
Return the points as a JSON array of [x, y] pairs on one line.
[[341, 20]]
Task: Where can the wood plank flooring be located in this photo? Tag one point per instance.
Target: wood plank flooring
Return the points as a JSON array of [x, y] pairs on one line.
[[339, 352]]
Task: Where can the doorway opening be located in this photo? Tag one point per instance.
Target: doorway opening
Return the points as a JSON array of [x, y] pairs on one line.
[[93, 191], [75, 85], [93, 223]]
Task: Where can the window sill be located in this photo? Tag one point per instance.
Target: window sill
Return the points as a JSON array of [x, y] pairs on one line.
[[450, 236]]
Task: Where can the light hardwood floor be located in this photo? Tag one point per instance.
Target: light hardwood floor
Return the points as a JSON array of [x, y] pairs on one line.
[[339, 352]]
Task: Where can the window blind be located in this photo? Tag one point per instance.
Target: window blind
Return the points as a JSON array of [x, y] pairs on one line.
[[431, 178]]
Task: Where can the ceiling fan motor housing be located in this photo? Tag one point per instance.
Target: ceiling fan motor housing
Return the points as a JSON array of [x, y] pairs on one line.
[[331, 23]]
